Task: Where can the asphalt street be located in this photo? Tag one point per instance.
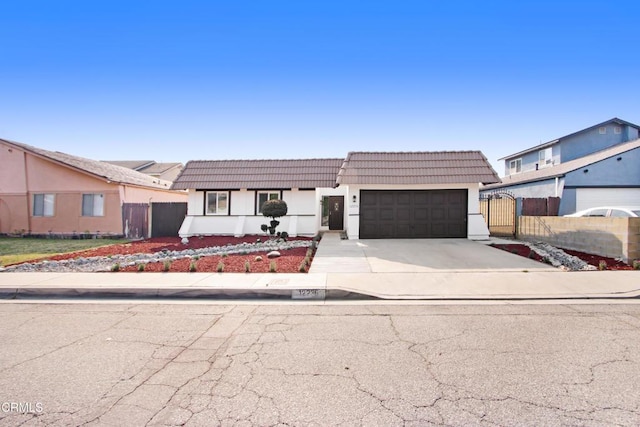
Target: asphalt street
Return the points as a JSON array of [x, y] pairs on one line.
[[305, 364]]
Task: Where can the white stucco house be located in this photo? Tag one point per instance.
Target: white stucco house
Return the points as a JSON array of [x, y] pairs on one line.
[[368, 195]]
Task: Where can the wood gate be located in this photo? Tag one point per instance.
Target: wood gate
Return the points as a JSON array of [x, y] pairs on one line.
[[135, 220], [166, 218], [499, 212]]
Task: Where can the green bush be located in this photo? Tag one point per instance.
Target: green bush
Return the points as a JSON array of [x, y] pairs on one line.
[[220, 267], [273, 209], [141, 267], [273, 267], [115, 267], [166, 266], [247, 267], [193, 267]]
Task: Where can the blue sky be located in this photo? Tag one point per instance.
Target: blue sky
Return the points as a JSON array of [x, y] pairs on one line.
[[179, 81]]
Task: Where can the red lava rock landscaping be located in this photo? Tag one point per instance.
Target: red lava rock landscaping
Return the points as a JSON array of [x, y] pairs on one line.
[[288, 262], [524, 250], [612, 264], [519, 249], [158, 244]]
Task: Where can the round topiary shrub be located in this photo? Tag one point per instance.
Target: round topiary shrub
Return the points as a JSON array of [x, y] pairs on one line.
[[274, 208]]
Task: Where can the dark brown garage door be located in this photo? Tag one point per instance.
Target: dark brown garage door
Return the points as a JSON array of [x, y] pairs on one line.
[[387, 214]]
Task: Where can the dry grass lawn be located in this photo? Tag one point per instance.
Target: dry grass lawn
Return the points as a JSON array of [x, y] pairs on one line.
[[19, 249]]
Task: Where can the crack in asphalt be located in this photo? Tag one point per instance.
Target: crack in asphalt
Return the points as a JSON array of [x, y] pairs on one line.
[[226, 384]]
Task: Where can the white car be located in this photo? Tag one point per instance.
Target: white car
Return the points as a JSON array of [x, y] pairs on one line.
[[612, 211]]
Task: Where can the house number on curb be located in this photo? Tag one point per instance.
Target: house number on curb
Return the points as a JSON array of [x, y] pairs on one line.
[[308, 294]]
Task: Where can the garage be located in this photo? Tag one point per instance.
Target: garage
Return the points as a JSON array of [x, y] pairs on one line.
[[593, 197], [389, 214]]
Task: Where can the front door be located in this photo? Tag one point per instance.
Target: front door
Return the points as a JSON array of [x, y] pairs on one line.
[[336, 213]]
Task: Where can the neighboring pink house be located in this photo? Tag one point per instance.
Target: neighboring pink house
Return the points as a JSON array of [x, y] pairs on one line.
[[46, 192]]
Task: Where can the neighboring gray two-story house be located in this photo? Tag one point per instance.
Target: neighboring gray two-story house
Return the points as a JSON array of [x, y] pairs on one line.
[[599, 165]]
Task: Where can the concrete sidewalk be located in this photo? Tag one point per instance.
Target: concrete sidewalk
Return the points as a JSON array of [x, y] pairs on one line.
[[318, 286], [352, 269]]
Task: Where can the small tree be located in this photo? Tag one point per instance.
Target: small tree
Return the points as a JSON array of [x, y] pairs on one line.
[[273, 209]]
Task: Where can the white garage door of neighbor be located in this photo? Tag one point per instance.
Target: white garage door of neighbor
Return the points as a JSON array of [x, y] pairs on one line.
[[592, 197]]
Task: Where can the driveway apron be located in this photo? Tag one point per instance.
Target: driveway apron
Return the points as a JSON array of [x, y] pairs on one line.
[[415, 256]]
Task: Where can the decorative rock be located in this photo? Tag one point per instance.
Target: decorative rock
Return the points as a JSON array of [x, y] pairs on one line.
[[101, 263], [273, 254], [185, 241], [559, 258]]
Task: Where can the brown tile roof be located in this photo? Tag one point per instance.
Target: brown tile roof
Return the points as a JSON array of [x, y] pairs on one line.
[[424, 167], [258, 174], [103, 170]]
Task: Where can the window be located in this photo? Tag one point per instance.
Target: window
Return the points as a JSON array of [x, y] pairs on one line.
[[93, 205], [597, 212], [545, 157], [43, 204], [617, 130], [325, 211], [619, 213], [217, 203], [263, 196], [515, 166], [602, 130]]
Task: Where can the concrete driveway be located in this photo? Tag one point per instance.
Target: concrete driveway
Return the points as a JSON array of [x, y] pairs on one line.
[[415, 256]]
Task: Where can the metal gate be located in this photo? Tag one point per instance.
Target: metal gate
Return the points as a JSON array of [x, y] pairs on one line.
[[135, 220], [499, 211], [166, 218]]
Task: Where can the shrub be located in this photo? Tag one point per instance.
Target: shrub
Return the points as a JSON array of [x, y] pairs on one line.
[[273, 209], [166, 266], [636, 264], [141, 267], [220, 267], [602, 265], [193, 267], [115, 267], [307, 260], [283, 235], [303, 267], [247, 267], [273, 267]]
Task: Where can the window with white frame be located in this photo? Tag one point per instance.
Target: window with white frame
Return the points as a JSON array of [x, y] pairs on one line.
[[544, 157], [43, 204], [93, 205], [263, 196], [602, 130], [617, 130], [515, 166], [217, 203]]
